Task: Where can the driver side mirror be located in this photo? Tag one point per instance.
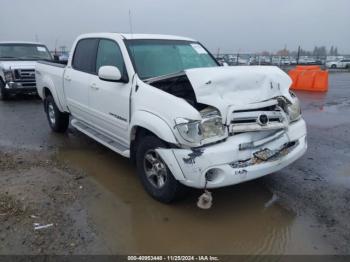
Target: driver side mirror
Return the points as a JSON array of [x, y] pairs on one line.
[[109, 73]]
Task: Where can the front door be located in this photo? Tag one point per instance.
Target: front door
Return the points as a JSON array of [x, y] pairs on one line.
[[109, 101]]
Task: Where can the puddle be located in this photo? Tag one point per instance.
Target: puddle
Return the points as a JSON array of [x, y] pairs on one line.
[[328, 109], [326, 117], [319, 112], [245, 219]]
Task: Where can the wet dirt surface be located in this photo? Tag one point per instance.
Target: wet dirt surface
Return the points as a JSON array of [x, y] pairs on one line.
[[96, 204]]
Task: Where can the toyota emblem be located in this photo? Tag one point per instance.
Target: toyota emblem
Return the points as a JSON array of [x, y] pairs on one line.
[[263, 120]]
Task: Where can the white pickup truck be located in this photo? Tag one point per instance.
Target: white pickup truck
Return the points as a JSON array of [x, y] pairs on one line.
[[165, 103], [17, 66]]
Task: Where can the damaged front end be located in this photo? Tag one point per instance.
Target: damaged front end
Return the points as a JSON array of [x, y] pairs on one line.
[[230, 101], [239, 158], [273, 114], [250, 125]]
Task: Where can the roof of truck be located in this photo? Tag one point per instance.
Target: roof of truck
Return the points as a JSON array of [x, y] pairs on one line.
[[138, 36], [20, 42], [156, 36]]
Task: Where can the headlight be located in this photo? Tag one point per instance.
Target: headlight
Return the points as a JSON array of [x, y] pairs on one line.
[[211, 127], [195, 131], [294, 110], [190, 131], [8, 76]]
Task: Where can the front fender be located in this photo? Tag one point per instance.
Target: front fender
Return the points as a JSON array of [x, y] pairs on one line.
[[153, 123]]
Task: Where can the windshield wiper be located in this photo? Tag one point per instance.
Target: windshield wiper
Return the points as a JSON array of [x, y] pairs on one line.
[[163, 77]]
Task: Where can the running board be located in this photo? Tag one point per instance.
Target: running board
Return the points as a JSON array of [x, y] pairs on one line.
[[102, 138]]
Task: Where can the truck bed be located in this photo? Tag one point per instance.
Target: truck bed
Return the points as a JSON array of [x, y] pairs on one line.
[[51, 75], [54, 63]]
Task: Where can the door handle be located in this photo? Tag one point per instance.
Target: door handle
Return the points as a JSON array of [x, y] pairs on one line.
[[67, 78], [94, 86]]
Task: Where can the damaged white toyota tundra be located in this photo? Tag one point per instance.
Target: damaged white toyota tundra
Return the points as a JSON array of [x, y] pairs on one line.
[[165, 102]]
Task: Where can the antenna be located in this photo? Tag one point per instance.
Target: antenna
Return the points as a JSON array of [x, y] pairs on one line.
[[132, 34], [56, 40], [130, 24]]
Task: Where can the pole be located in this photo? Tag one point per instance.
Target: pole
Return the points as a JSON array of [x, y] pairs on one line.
[[298, 55], [218, 52]]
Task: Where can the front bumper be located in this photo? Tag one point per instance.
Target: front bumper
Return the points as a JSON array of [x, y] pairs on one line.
[[228, 165], [20, 87]]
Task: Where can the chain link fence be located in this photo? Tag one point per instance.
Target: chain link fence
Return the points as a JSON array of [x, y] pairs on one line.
[[282, 61]]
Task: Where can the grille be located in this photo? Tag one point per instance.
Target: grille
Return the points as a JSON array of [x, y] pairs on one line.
[[249, 120], [24, 75]]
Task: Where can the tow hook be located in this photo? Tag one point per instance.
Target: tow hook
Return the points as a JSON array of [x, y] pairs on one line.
[[205, 201]]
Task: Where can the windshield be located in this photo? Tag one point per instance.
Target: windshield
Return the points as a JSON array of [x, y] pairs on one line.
[[152, 58], [24, 52]]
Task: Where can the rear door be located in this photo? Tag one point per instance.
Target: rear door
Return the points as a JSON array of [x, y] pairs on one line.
[[78, 78], [109, 101]]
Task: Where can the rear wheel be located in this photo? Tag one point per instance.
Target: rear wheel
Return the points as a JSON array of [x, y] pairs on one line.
[[154, 174], [334, 66], [58, 121], [3, 93]]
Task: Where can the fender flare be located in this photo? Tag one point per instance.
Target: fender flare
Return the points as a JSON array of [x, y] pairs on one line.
[[153, 123]]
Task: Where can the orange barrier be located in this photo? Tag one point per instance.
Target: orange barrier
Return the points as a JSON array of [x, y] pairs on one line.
[[309, 78]]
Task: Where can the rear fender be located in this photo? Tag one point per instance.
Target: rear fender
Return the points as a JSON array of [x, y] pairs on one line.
[[47, 83]]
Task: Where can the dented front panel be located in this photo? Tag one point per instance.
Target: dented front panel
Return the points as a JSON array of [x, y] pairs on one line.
[[239, 86], [224, 157]]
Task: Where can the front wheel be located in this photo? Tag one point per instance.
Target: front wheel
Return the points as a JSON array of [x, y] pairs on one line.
[[334, 66], [58, 121], [154, 174]]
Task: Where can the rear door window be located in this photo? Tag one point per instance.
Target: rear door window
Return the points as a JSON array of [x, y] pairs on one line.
[[85, 55]]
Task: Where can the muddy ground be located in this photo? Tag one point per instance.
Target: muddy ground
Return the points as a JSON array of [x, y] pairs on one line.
[[91, 201]]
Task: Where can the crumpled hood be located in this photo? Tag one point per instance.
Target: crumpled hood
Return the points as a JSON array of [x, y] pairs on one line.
[[222, 87], [17, 64]]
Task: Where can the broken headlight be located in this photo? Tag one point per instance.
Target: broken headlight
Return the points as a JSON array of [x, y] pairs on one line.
[[195, 131], [293, 109], [189, 130]]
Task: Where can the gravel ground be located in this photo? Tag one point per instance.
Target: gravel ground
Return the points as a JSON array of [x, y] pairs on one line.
[[40, 192]]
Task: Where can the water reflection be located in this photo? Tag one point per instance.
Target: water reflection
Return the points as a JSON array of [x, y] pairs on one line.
[[238, 223]]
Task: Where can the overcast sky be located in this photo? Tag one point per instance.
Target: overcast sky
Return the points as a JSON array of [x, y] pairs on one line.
[[231, 25]]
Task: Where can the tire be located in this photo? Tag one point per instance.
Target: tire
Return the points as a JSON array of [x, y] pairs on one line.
[[3, 94], [334, 66], [58, 121], [166, 192]]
